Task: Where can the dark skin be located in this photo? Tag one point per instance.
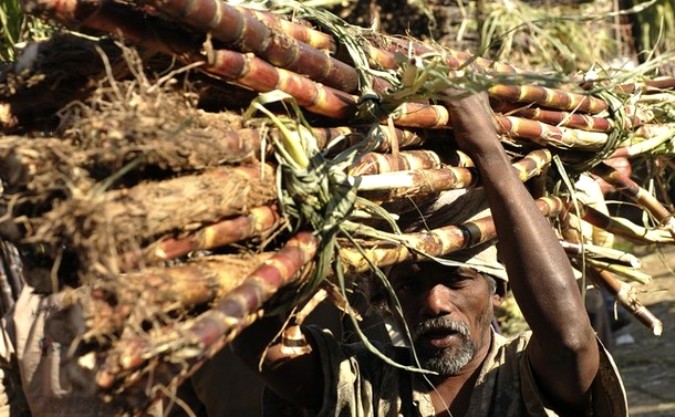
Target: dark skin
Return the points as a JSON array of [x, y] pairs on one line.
[[563, 351], [430, 291]]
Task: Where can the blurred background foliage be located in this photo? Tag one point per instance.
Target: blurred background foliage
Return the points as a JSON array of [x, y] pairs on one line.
[[562, 36]]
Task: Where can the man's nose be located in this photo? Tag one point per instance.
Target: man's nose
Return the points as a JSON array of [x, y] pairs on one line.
[[437, 301]]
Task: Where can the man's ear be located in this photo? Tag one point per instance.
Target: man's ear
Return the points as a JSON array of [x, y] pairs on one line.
[[497, 300], [499, 295]]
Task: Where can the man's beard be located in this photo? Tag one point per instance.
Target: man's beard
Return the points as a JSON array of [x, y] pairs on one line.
[[448, 361]]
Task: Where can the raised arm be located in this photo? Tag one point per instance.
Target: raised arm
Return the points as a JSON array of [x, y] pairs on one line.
[[563, 351]]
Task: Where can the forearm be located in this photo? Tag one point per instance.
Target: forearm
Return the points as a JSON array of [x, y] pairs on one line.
[[541, 275], [563, 353]]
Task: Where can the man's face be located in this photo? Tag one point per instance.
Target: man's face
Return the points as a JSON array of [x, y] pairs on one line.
[[448, 311]]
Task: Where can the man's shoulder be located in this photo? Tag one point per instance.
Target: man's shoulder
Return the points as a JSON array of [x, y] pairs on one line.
[[516, 343]]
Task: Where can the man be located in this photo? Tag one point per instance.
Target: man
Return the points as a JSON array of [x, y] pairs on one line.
[[560, 369]]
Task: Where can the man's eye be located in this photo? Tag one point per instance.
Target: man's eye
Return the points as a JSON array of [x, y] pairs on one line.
[[458, 281], [467, 272], [463, 276]]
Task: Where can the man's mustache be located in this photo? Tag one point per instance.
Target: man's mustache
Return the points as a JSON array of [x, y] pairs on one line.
[[443, 323]]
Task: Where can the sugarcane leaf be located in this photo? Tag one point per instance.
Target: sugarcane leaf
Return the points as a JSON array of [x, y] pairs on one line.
[[394, 302], [378, 212], [626, 272], [575, 201], [290, 144]]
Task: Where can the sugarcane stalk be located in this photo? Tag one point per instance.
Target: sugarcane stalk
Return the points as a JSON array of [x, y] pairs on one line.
[[656, 85], [544, 134], [437, 242], [548, 97], [254, 73], [228, 24], [190, 150], [27, 160], [148, 294], [570, 230], [242, 69], [258, 221], [385, 57], [293, 341], [33, 163], [380, 58], [328, 136], [387, 138], [532, 164], [421, 115], [625, 294], [210, 331], [404, 184], [241, 144], [382, 51], [234, 26], [434, 116], [625, 228], [382, 138], [645, 139], [205, 150], [627, 272], [560, 118], [384, 48], [298, 30], [264, 78], [377, 163], [661, 99], [642, 197], [600, 257], [110, 17]]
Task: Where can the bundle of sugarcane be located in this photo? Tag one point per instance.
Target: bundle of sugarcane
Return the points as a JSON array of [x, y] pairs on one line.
[[177, 227]]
